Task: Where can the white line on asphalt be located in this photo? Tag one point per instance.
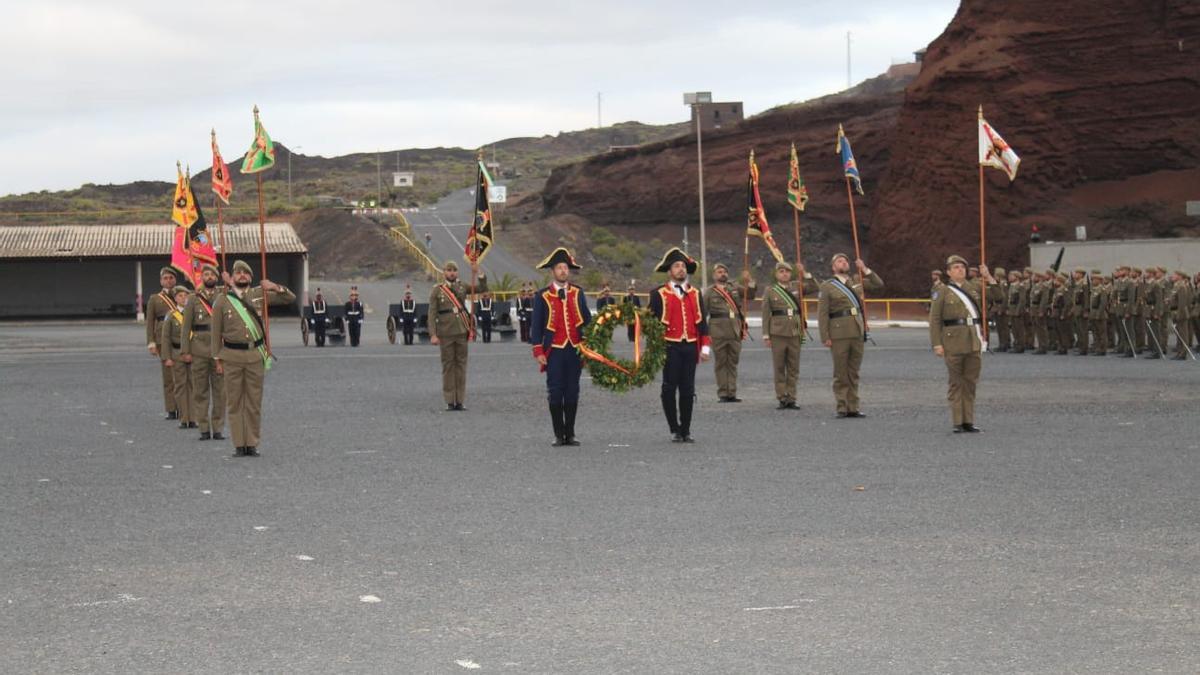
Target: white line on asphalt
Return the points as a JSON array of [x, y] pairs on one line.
[[765, 609], [447, 227], [369, 598], [121, 600], [304, 557], [468, 664], [260, 528]]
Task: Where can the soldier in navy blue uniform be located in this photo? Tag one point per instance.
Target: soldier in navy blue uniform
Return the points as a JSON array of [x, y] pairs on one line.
[[605, 298], [632, 298], [484, 316], [354, 316], [560, 312], [679, 306], [318, 318], [408, 315], [525, 310]]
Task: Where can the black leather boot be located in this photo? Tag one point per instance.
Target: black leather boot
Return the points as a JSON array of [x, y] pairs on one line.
[[668, 404], [685, 417], [569, 410], [556, 419]]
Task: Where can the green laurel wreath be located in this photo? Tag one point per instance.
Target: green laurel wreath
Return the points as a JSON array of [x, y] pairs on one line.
[[598, 336]]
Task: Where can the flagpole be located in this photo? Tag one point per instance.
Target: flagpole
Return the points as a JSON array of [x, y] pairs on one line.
[[799, 261], [857, 253], [987, 341], [221, 232], [474, 259], [746, 286], [262, 249]]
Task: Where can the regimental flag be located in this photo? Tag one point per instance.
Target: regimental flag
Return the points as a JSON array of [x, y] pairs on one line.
[[756, 216], [994, 152], [479, 238], [849, 166], [261, 155], [183, 211], [797, 192], [222, 182]]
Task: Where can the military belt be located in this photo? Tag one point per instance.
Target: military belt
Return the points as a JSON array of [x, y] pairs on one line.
[[447, 311], [844, 312], [176, 345], [242, 346], [783, 312], [959, 322], [200, 329]]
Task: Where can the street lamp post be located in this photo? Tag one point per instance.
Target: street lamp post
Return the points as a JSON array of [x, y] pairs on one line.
[[695, 99]]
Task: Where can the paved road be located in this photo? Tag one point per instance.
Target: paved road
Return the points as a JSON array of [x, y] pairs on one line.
[[1065, 539], [448, 222]]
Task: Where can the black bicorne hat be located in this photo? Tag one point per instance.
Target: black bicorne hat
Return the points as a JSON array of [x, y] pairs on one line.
[[558, 255], [676, 255]]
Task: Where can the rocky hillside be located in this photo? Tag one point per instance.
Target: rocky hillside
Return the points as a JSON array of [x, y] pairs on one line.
[[1101, 99]]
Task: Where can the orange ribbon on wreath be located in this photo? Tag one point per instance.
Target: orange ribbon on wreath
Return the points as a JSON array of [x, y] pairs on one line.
[[594, 355]]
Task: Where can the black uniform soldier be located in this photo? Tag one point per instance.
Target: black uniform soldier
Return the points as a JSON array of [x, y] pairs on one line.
[[451, 329], [954, 332], [840, 314], [605, 298], [319, 318], [158, 308], [485, 315], [408, 316], [727, 325], [241, 354], [354, 316], [524, 311], [680, 307], [171, 336], [208, 386], [632, 298], [560, 314]]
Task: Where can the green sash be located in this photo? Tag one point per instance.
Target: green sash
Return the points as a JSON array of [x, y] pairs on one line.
[[783, 293], [251, 322]]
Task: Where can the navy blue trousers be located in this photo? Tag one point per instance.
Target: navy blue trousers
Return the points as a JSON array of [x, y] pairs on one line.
[[563, 368], [679, 378]]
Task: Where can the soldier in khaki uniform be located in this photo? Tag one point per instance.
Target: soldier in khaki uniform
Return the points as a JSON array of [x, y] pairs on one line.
[[207, 385], [1195, 311], [1098, 315], [727, 327], [1135, 310], [1060, 315], [954, 332], [840, 316], [450, 328], [1079, 309], [935, 282], [997, 309], [1181, 305], [1015, 304], [1121, 305], [783, 333], [240, 352], [1039, 302], [1153, 302], [1028, 280], [170, 337], [158, 307], [1164, 319]]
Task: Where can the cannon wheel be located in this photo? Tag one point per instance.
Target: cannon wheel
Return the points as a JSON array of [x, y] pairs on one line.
[[391, 329], [304, 331]]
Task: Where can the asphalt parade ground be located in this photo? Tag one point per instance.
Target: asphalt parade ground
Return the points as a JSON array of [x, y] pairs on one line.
[[379, 533]]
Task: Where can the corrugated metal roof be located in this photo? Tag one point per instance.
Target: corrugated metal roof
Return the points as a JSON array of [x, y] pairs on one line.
[[104, 241]]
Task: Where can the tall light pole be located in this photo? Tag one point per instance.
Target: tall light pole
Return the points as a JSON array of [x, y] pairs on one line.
[[290, 151], [695, 100]]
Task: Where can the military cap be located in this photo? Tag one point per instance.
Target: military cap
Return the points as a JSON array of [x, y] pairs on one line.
[[168, 270], [1097, 273], [1136, 270], [956, 259], [450, 265], [242, 265], [210, 266], [1162, 269], [937, 272], [1000, 270], [1061, 277], [674, 255], [835, 256], [719, 266], [558, 255], [1050, 272], [179, 289], [1182, 273], [1123, 267], [1028, 270]]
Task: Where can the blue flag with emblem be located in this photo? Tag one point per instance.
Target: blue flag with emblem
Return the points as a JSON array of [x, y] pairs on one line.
[[849, 165]]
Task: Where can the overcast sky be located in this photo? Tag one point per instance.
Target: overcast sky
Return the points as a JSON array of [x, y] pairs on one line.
[[109, 92]]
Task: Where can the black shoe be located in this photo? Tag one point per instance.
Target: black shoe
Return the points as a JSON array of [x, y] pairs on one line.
[[252, 451], [791, 405], [451, 407], [1152, 356], [193, 425], [676, 437], [559, 441], [1018, 351], [733, 399], [183, 425], [1062, 352], [1180, 357], [686, 438], [218, 436], [204, 435], [171, 416], [570, 440], [1099, 353], [971, 428], [958, 429], [460, 407], [1040, 351], [782, 405], [1127, 355], [239, 451], [855, 414], [842, 415]]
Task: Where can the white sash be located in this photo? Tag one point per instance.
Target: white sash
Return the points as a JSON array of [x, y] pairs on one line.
[[966, 300]]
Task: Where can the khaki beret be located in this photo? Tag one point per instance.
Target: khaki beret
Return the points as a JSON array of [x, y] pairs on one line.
[[1000, 270], [719, 266], [1136, 270], [210, 266], [450, 265], [179, 289], [242, 265], [1079, 270], [835, 256], [1162, 269], [1097, 273], [168, 270], [955, 259], [783, 266], [1028, 270]]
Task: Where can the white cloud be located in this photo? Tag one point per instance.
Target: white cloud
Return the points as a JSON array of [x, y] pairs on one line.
[[117, 91]]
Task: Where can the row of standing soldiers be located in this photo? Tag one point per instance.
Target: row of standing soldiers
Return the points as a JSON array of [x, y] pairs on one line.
[[1133, 311]]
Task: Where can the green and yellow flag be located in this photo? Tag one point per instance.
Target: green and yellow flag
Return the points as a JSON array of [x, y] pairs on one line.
[[261, 155], [797, 193]]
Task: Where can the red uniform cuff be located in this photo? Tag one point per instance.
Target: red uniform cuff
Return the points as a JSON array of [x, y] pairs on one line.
[[705, 341], [538, 351]]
